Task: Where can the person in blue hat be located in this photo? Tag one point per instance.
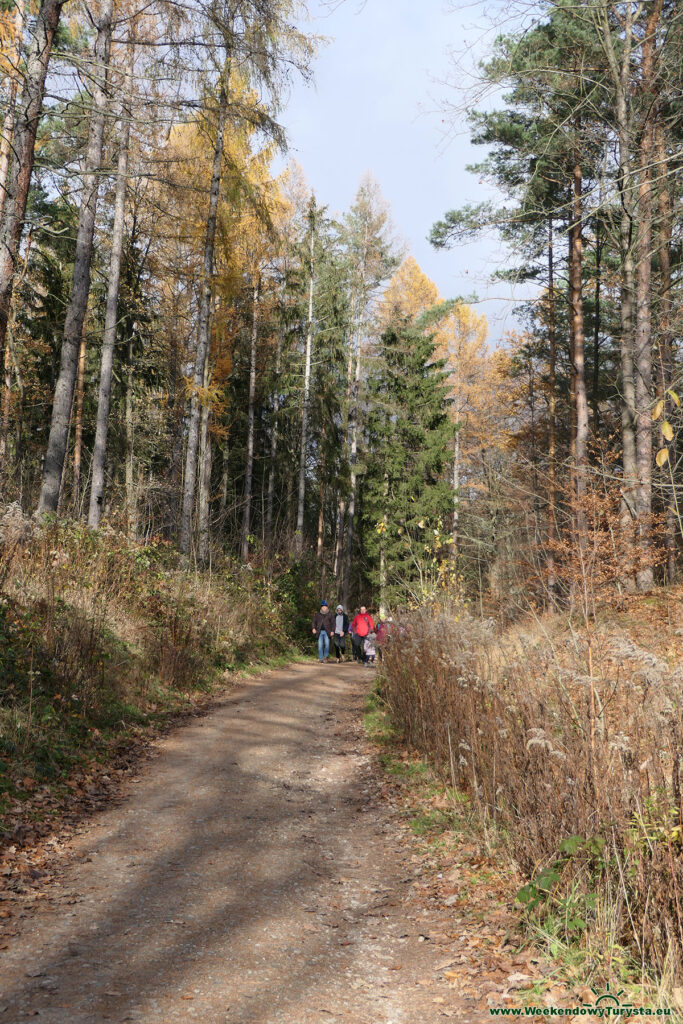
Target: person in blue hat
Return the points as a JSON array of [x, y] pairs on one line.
[[323, 627]]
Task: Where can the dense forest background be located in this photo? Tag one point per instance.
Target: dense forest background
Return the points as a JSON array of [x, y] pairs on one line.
[[195, 352]]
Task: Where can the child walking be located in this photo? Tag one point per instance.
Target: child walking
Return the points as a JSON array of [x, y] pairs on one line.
[[370, 648]]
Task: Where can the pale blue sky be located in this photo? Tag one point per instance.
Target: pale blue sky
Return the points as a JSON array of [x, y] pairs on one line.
[[374, 107]]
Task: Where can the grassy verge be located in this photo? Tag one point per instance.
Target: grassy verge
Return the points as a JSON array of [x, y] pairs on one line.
[[520, 922], [103, 643]]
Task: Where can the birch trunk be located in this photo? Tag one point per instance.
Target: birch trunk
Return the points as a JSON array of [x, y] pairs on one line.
[[203, 322], [249, 471], [23, 146], [299, 535], [73, 326], [111, 312]]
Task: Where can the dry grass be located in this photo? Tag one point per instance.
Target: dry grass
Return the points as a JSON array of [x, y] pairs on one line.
[[568, 743], [98, 636]]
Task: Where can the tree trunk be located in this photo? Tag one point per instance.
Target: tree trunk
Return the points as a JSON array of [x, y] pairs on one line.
[[12, 58], [455, 484], [249, 470], [203, 524], [665, 362], [643, 367], [383, 610], [299, 535], [321, 497], [576, 302], [273, 443], [341, 520], [23, 146], [111, 312], [339, 545], [552, 421], [643, 333], [11, 358], [225, 479], [353, 455], [131, 497], [203, 322], [596, 332], [78, 428], [73, 326], [619, 61]]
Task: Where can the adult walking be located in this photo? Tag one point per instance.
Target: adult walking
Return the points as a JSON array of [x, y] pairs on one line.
[[361, 626], [341, 628], [323, 627]]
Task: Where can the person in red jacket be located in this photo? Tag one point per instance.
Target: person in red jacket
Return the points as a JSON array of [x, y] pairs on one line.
[[360, 627]]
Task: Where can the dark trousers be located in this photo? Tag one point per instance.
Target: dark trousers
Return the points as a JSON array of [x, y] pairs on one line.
[[357, 643], [339, 645]]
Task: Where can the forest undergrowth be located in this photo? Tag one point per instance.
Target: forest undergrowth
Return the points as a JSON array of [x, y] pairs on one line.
[[561, 742], [103, 641]]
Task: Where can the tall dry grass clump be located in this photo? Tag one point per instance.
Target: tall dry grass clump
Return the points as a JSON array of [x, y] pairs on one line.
[[568, 745]]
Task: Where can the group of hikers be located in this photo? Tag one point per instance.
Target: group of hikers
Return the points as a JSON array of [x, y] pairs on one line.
[[332, 628]]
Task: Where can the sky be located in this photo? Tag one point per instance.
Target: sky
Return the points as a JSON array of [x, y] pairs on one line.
[[376, 104]]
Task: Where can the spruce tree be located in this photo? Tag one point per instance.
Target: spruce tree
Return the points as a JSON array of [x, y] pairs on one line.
[[407, 497]]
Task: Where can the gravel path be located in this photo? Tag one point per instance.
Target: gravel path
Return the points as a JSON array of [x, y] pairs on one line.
[[252, 875]]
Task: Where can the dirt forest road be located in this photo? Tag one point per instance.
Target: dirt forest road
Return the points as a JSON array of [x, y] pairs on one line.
[[252, 875]]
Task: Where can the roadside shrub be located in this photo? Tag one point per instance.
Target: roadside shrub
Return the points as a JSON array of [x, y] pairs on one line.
[[97, 634]]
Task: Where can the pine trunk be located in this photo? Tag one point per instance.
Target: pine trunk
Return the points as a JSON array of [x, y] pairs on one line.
[[75, 316]]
